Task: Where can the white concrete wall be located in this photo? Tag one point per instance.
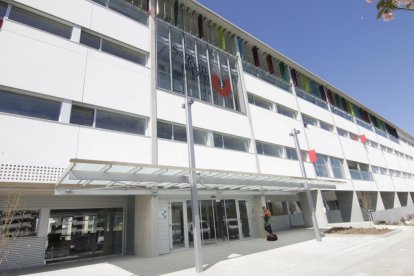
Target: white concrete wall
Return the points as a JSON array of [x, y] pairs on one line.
[[62, 62], [97, 18], [270, 92], [275, 128]]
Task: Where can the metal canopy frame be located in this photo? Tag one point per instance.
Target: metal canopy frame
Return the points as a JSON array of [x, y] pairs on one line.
[[110, 177]]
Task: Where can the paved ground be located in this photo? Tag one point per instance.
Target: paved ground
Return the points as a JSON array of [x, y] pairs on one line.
[[296, 253]]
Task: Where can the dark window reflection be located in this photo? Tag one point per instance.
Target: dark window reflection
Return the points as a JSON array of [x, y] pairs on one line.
[[124, 123], [20, 223], [81, 116], [75, 234], [29, 106], [40, 22], [3, 9]]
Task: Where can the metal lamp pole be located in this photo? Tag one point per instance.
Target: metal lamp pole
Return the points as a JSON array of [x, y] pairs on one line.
[[294, 134], [193, 184]]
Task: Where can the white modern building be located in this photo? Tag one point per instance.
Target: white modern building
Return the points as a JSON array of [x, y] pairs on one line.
[[93, 137]]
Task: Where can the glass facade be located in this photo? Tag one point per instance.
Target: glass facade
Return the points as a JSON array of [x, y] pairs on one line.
[[189, 66], [19, 223], [219, 221], [75, 234]]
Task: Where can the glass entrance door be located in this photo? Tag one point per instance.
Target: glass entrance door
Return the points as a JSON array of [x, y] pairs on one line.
[[219, 221], [232, 223], [244, 220], [177, 225]]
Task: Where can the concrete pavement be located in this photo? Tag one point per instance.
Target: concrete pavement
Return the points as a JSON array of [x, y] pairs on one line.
[[296, 253]]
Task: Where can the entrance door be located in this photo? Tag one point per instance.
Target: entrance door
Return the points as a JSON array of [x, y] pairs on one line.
[[232, 222], [177, 225], [244, 220]]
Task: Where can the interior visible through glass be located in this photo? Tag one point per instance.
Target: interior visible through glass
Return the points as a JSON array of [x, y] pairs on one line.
[[83, 233]]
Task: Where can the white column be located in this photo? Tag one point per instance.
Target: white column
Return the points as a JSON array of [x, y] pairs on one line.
[[146, 226], [380, 203], [43, 222]]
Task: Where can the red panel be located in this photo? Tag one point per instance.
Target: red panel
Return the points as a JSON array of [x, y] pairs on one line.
[[363, 138], [1, 22], [312, 156]]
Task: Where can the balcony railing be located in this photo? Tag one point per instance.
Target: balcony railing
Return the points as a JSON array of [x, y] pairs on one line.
[[381, 132], [341, 113], [261, 74], [363, 124], [125, 8], [360, 175], [310, 98], [392, 138]]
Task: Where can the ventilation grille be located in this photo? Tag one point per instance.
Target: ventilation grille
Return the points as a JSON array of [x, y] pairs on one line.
[[26, 173]]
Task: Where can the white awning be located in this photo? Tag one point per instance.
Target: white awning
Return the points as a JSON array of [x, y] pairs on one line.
[[112, 178]]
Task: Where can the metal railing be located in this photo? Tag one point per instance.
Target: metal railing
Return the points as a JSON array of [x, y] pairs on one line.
[[263, 75], [341, 113], [392, 138], [363, 124], [310, 98], [125, 8], [381, 132], [360, 175]]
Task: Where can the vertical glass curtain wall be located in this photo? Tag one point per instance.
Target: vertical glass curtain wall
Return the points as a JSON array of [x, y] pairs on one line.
[[189, 66]]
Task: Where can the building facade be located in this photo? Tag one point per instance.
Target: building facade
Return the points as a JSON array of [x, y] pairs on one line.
[[96, 87]]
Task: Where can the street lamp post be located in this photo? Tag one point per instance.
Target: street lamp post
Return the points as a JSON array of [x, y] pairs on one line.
[[294, 134], [193, 184]]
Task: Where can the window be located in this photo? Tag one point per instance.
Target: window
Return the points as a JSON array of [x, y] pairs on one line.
[[123, 52], [342, 132], [229, 142], [359, 171], [337, 168], [331, 205], [164, 130], [200, 137], [372, 143], [286, 111], [383, 171], [179, 133], [82, 116], [321, 166], [40, 22], [294, 207], [135, 10], [29, 106], [120, 122], [112, 48], [3, 9], [278, 208], [90, 40], [268, 149], [326, 126], [259, 102], [20, 223], [376, 170], [353, 136], [309, 121], [163, 60], [291, 153]]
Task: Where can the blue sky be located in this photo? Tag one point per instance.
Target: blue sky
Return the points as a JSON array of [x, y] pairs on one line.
[[342, 43]]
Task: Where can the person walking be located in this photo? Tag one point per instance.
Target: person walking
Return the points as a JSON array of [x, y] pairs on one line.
[[267, 223]]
